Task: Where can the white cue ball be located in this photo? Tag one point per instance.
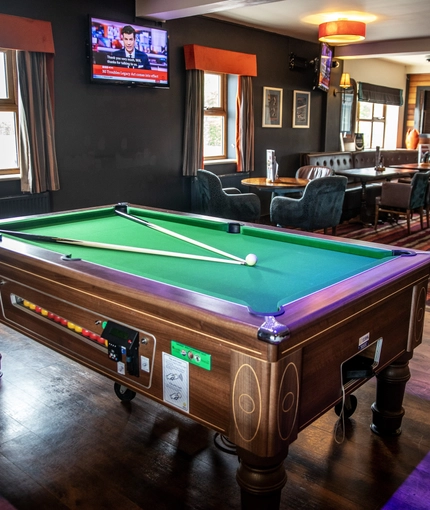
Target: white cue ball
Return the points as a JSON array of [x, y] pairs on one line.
[[251, 259]]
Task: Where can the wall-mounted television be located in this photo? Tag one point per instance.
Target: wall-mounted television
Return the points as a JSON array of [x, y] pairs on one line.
[[323, 69], [128, 54]]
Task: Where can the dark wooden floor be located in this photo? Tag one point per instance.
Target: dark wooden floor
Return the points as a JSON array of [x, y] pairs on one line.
[[66, 441]]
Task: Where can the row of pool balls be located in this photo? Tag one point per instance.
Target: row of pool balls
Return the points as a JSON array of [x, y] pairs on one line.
[[90, 335]]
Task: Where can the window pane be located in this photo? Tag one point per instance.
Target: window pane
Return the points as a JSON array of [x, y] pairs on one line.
[[213, 136], [3, 76], [378, 134], [8, 145], [366, 129], [378, 111], [391, 123], [365, 110], [212, 90]]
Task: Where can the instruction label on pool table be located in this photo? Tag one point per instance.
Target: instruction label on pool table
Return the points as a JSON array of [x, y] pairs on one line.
[[176, 382]]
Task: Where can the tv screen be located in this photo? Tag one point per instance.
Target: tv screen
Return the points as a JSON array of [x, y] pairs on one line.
[[128, 54], [324, 68]]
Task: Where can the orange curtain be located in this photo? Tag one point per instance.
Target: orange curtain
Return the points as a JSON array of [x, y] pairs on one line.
[[26, 34], [220, 61]]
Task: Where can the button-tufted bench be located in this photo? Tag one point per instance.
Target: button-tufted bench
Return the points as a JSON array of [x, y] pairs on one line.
[[359, 159]]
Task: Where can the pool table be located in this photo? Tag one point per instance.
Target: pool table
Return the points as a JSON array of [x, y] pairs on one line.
[[254, 352]]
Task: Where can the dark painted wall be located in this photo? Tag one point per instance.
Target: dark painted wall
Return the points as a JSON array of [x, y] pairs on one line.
[[115, 143]]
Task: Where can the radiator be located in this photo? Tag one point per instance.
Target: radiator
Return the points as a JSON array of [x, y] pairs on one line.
[[24, 205]]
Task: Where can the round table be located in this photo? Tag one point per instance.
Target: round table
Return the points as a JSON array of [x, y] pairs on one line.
[[285, 183]]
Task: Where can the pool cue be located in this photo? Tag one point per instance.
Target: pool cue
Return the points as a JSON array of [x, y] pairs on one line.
[[178, 236], [117, 247]]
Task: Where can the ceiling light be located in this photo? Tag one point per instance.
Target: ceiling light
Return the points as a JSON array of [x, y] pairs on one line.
[[342, 31]]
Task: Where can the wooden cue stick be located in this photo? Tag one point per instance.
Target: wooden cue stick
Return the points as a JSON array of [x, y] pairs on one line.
[[117, 247], [178, 236]]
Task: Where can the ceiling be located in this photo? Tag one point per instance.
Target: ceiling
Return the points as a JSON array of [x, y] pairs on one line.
[[400, 32]]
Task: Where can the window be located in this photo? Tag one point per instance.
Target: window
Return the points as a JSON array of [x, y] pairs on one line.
[[378, 115], [215, 116], [378, 123], [9, 163], [371, 122]]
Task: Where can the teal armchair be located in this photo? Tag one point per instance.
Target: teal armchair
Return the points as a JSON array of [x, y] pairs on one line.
[[227, 203], [320, 207]]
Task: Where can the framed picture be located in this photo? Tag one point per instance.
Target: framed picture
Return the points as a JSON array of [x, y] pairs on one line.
[[301, 109], [272, 107]]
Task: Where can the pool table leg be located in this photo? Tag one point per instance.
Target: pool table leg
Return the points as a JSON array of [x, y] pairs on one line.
[[261, 480], [388, 410]]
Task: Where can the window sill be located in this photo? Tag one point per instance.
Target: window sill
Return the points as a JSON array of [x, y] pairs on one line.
[[10, 177], [210, 162]]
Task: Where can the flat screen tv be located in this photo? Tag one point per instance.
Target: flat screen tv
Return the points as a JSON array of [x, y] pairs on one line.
[[128, 54], [323, 70]]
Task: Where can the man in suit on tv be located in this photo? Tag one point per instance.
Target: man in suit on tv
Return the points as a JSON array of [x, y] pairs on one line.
[[129, 56]]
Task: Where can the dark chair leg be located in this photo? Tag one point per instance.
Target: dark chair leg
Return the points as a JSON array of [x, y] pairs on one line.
[[376, 216]]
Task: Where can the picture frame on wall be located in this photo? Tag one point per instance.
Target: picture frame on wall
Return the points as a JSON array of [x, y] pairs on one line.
[[301, 109], [272, 107]]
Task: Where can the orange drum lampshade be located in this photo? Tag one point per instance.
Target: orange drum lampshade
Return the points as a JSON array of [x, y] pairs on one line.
[[342, 31]]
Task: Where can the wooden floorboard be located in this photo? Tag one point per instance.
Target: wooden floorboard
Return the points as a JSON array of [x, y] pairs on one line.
[[67, 442]]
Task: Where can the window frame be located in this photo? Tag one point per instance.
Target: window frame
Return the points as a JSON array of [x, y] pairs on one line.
[[219, 111], [10, 104]]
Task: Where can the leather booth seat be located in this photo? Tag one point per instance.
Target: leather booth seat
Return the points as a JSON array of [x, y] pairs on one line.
[[359, 159]]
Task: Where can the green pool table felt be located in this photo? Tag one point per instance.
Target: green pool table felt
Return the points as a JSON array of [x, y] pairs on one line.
[[289, 265]]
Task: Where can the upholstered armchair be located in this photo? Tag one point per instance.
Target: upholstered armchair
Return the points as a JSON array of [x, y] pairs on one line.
[[320, 207], [402, 198], [313, 172], [309, 172], [226, 202]]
